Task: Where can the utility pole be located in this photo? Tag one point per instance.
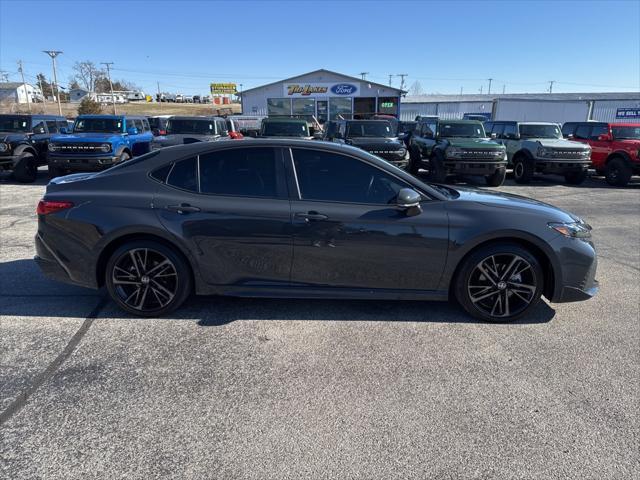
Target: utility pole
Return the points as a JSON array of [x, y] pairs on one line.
[[159, 96], [24, 85], [53, 54], [390, 75], [480, 89], [402, 75], [364, 75], [489, 91], [241, 100], [503, 88], [460, 91], [113, 97], [551, 82]]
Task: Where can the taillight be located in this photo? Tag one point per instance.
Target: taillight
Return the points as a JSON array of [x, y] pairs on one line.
[[45, 207], [162, 132]]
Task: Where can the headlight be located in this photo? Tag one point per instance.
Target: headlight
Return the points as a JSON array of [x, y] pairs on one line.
[[574, 229], [402, 152], [453, 152], [544, 152], [4, 147], [105, 147], [53, 147]]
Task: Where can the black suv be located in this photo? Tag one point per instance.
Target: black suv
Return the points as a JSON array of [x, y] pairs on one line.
[[456, 147], [24, 140], [374, 136]]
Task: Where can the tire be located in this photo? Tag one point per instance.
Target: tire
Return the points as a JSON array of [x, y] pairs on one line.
[[617, 172], [437, 171], [415, 158], [523, 169], [26, 169], [497, 178], [135, 287], [123, 157], [499, 296], [56, 171], [576, 178]]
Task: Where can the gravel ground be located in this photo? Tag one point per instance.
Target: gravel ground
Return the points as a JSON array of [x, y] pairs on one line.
[[248, 388]]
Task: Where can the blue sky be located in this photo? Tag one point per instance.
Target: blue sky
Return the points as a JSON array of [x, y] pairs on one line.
[[445, 46]]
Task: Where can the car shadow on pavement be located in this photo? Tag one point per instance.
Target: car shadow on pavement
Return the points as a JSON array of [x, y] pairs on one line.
[[6, 178], [218, 311]]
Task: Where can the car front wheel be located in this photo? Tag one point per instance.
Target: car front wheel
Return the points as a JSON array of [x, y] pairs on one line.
[[618, 173], [523, 170], [26, 170], [147, 278], [499, 283]]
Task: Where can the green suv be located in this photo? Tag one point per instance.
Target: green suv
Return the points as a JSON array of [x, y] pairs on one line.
[[456, 147]]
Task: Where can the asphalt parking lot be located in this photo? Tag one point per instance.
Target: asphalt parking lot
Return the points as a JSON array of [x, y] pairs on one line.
[[237, 388]]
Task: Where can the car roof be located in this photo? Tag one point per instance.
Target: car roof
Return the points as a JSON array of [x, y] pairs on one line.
[[281, 119], [472, 122], [620, 124], [376, 120], [537, 123], [34, 115], [195, 117]]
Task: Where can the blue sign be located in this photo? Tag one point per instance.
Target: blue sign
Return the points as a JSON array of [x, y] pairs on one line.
[[628, 113], [344, 89]]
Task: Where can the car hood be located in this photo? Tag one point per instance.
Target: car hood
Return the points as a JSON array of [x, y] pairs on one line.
[[12, 137], [368, 143], [502, 200], [182, 138], [559, 143], [474, 143], [86, 137]]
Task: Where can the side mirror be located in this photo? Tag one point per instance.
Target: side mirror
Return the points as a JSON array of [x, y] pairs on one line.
[[63, 130], [408, 198], [132, 131], [604, 138], [317, 135], [494, 136]]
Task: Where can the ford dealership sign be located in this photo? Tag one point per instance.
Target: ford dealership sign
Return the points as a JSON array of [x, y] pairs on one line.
[[344, 89]]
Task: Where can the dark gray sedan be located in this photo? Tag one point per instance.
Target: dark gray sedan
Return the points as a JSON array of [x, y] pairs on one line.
[[304, 219]]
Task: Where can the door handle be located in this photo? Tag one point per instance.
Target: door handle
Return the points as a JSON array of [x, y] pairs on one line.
[[183, 208], [308, 216]]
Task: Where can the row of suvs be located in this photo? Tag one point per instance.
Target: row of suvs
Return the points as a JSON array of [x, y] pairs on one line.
[[443, 148]]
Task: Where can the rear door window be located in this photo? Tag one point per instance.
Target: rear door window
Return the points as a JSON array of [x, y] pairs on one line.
[[583, 132], [509, 129], [184, 175], [52, 126], [246, 172], [598, 130]]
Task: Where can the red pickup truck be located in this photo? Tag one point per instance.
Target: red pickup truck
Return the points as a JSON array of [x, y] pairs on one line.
[[615, 148]]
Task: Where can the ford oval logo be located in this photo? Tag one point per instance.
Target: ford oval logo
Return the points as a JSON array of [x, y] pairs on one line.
[[344, 89]]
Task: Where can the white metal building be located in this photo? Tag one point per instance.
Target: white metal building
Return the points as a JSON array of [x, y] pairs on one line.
[[323, 94], [15, 92], [539, 107]]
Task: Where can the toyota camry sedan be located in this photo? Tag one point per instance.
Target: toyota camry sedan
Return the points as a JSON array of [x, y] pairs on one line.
[[304, 219]]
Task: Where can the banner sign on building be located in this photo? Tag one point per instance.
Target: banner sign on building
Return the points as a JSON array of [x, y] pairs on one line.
[[320, 89], [628, 113], [223, 88]]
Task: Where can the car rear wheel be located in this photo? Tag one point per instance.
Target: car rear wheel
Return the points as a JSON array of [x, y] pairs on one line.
[[575, 178], [499, 283], [497, 178], [617, 172], [522, 170], [147, 278], [26, 169]]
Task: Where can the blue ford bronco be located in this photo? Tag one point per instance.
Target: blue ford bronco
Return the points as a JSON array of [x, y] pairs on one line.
[[98, 142], [23, 143]]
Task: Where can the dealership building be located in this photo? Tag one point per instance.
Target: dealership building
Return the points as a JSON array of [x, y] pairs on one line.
[[323, 94], [532, 107]]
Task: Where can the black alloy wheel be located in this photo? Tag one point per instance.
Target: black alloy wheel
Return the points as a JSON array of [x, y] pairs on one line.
[[147, 278], [499, 283], [617, 172], [26, 170], [522, 170]]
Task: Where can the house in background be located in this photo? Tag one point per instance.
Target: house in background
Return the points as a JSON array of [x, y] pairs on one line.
[[15, 92], [77, 94]]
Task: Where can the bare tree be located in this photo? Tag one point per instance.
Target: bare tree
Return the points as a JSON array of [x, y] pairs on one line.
[[87, 74], [415, 88]]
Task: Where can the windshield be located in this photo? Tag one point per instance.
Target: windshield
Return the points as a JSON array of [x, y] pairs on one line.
[[199, 127], [285, 129], [468, 130], [14, 124], [98, 125], [369, 129], [626, 133], [540, 131]]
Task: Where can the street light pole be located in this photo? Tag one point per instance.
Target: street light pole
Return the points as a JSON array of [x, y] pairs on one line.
[[24, 85], [53, 54], [113, 97]]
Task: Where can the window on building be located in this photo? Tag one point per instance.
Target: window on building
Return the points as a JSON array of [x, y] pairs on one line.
[[304, 106], [331, 177], [340, 107], [247, 172], [278, 106]]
